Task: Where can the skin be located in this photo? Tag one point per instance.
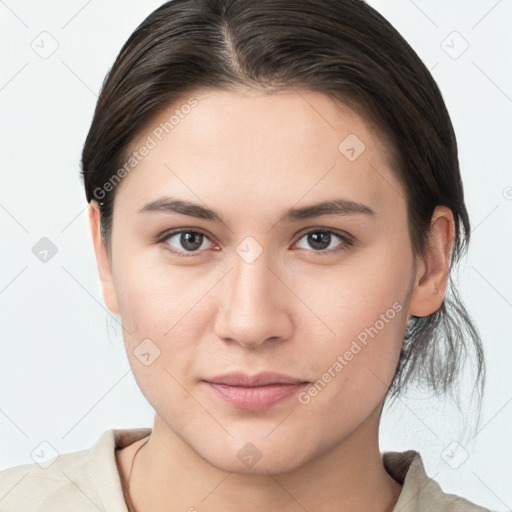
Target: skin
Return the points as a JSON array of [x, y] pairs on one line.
[[251, 157]]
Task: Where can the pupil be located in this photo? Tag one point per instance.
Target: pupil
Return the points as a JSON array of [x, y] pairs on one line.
[[315, 239], [188, 238]]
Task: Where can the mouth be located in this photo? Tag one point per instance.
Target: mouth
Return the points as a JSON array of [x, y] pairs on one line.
[[254, 392]]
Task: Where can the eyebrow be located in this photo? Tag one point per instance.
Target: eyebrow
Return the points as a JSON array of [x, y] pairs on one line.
[[336, 207]]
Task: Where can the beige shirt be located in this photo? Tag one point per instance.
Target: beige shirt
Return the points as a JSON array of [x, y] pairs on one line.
[[88, 481]]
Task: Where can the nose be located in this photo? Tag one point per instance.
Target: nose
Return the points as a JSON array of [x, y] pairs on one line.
[[254, 305]]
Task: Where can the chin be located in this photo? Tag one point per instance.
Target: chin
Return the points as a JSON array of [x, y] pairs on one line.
[[258, 457]]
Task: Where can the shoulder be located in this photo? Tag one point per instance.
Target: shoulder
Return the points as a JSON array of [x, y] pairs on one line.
[[38, 488], [82, 481], [419, 492]]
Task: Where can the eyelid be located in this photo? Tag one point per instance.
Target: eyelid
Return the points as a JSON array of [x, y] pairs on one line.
[[167, 234], [314, 229], [348, 240]]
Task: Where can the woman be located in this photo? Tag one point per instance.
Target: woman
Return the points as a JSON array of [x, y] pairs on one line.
[[276, 207]]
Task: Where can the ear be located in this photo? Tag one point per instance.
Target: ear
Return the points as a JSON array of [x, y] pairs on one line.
[[102, 259], [432, 272]]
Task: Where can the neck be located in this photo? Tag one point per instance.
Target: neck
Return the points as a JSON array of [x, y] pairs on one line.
[[169, 475]]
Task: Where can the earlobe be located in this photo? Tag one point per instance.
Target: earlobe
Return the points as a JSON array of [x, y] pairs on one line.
[[433, 271], [102, 259]]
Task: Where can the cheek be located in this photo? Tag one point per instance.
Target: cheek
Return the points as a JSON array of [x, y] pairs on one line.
[[151, 305], [348, 298], [355, 369], [153, 296], [160, 327], [363, 313], [365, 346]]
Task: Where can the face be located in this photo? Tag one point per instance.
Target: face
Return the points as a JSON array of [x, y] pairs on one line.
[[248, 277]]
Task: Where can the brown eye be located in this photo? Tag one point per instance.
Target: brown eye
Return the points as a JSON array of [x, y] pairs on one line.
[[185, 241], [320, 241]]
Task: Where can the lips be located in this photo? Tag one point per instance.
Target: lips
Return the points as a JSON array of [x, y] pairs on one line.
[[260, 379], [254, 392]]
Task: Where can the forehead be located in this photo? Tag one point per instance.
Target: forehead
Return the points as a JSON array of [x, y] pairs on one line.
[[272, 147]]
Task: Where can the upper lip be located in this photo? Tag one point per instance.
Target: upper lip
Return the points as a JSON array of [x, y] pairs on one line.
[[259, 379]]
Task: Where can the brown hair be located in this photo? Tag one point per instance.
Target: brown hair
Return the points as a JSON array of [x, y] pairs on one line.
[[343, 48]]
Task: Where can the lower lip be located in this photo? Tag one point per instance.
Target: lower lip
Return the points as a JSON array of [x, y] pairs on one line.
[[255, 398]]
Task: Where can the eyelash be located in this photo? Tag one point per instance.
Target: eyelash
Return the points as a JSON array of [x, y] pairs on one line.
[[346, 239]]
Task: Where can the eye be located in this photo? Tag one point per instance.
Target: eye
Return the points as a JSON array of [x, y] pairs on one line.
[[321, 241], [185, 241], [188, 242]]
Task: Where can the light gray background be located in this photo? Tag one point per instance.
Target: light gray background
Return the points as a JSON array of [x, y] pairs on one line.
[[64, 376]]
